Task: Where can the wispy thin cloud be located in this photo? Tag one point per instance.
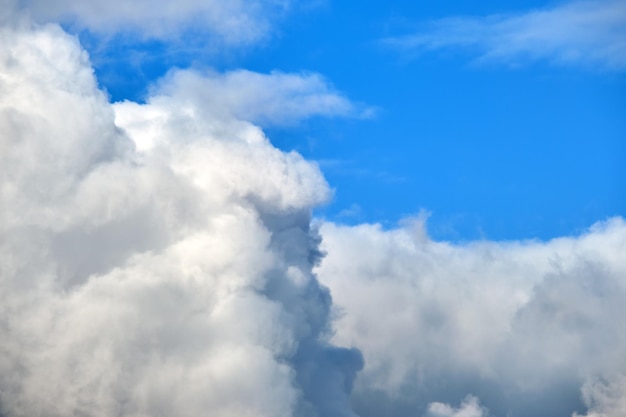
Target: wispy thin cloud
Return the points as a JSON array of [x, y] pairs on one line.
[[583, 33], [231, 22], [276, 98]]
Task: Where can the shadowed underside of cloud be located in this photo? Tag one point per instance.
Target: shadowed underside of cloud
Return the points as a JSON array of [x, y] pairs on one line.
[[170, 279], [529, 328], [590, 34]]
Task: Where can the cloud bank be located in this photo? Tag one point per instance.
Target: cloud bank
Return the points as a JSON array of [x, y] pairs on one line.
[[591, 34], [154, 259], [528, 328]]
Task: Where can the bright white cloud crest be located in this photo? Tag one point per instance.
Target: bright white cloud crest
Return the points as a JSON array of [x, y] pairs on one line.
[[469, 408]]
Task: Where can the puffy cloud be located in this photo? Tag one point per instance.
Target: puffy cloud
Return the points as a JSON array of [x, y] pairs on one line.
[[266, 99], [234, 21], [606, 398], [583, 33], [158, 259], [155, 259], [524, 326], [469, 408]]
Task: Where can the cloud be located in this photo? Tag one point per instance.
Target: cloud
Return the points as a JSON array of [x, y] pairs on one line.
[[158, 258], [266, 99], [590, 34], [530, 328], [605, 398], [233, 22], [469, 408], [155, 259]]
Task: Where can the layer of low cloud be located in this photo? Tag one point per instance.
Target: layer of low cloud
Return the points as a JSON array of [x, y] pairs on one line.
[[171, 279], [591, 34], [528, 328], [233, 21]]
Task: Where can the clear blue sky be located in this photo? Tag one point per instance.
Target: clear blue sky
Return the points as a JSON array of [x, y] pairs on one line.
[[517, 146]]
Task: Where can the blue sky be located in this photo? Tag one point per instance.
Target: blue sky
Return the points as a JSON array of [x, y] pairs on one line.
[[518, 146]]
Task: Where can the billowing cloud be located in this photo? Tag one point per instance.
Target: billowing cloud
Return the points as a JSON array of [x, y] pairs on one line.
[[158, 258], [529, 328], [605, 398], [233, 21], [469, 408], [591, 34], [155, 259]]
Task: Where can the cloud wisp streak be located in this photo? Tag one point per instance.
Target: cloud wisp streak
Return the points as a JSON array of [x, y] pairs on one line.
[[589, 34], [232, 22], [276, 98]]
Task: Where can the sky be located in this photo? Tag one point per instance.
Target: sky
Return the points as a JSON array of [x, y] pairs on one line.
[[312, 208]]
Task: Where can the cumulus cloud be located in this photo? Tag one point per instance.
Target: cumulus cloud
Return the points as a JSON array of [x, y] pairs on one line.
[[158, 258], [605, 397], [530, 328], [469, 408], [233, 21], [583, 33], [155, 259]]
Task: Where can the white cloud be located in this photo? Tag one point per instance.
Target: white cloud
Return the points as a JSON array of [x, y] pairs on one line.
[[172, 279], [469, 408], [521, 325], [583, 33], [233, 21], [157, 259], [267, 99], [606, 398]]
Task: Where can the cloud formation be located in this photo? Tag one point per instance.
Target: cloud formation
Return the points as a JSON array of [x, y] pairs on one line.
[[276, 98], [159, 259], [469, 408], [233, 21], [590, 34], [529, 328], [173, 278]]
